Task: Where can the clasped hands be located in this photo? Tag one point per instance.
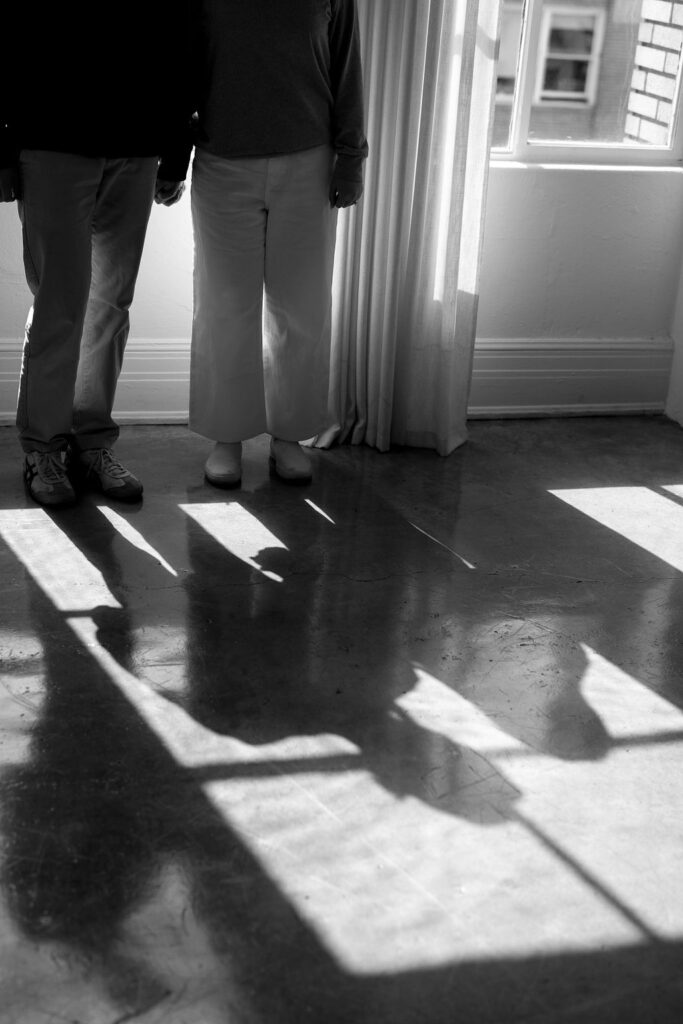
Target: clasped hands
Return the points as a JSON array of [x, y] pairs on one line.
[[167, 193]]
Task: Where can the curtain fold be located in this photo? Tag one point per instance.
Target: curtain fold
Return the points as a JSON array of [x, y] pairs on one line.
[[407, 263]]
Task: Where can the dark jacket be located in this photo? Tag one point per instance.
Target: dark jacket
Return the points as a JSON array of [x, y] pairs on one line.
[[93, 79], [272, 77]]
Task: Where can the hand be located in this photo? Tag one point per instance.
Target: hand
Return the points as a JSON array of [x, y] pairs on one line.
[[344, 193], [9, 184], [168, 192]]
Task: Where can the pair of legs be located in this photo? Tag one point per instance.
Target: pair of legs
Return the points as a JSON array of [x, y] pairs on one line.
[[84, 221], [264, 252]]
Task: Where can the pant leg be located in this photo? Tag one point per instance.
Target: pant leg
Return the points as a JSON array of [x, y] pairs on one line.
[[227, 401], [120, 219], [59, 194], [300, 242]]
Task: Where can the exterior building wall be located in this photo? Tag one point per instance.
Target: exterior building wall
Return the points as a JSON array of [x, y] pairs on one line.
[[656, 64], [616, 70]]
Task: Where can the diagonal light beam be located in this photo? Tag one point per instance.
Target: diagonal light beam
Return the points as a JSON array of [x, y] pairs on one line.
[[134, 537], [316, 508]]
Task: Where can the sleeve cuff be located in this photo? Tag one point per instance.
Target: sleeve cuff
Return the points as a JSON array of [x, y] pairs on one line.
[[349, 168]]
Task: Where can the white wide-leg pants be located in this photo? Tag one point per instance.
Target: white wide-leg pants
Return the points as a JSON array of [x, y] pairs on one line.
[[264, 250], [84, 223]]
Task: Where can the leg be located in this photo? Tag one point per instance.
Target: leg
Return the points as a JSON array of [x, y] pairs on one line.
[[226, 380], [59, 197], [124, 202], [299, 262]]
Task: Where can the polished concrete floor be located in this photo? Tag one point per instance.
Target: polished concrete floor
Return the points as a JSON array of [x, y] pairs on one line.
[[404, 746]]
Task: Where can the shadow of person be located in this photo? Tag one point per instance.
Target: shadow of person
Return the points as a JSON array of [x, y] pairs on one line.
[[410, 760], [83, 836], [299, 644], [531, 689], [114, 861], [506, 626], [138, 603]]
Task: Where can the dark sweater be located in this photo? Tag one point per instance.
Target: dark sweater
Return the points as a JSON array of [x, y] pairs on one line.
[[93, 79], [279, 76]]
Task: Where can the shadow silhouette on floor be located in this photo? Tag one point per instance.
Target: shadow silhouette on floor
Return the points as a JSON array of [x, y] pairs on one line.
[[100, 808], [98, 814]]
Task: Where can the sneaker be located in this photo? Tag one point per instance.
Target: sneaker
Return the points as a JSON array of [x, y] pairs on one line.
[[223, 468], [290, 460], [100, 468], [46, 479]]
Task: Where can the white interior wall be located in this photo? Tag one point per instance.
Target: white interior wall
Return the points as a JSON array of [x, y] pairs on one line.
[[580, 275], [674, 403]]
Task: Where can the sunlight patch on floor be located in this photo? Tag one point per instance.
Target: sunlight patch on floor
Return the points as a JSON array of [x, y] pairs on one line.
[[640, 515], [627, 709], [61, 571], [238, 531]]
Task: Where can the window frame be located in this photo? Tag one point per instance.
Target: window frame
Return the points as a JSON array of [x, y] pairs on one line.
[[522, 150], [507, 98]]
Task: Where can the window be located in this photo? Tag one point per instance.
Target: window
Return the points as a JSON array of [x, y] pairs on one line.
[[589, 73], [569, 56]]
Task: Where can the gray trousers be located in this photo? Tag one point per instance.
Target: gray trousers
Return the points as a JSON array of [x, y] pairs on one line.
[[84, 221], [264, 253]]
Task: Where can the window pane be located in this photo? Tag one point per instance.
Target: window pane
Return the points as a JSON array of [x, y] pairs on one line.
[[621, 85], [571, 34], [565, 76]]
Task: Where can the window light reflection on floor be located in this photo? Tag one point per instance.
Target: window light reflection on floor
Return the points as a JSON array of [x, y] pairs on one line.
[[441, 544], [134, 537], [316, 508], [238, 531]]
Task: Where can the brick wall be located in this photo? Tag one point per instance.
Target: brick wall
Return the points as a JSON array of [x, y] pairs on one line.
[[656, 66]]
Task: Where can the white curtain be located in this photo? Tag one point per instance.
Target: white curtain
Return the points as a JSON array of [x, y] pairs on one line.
[[407, 263]]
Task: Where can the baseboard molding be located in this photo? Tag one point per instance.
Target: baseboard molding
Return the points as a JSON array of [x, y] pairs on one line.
[[10, 362], [515, 377], [153, 386], [155, 382], [569, 376]]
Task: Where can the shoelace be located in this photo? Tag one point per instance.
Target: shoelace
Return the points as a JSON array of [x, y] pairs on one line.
[[49, 467], [106, 463]]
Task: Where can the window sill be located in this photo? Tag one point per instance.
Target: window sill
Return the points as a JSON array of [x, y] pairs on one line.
[[589, 154]]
